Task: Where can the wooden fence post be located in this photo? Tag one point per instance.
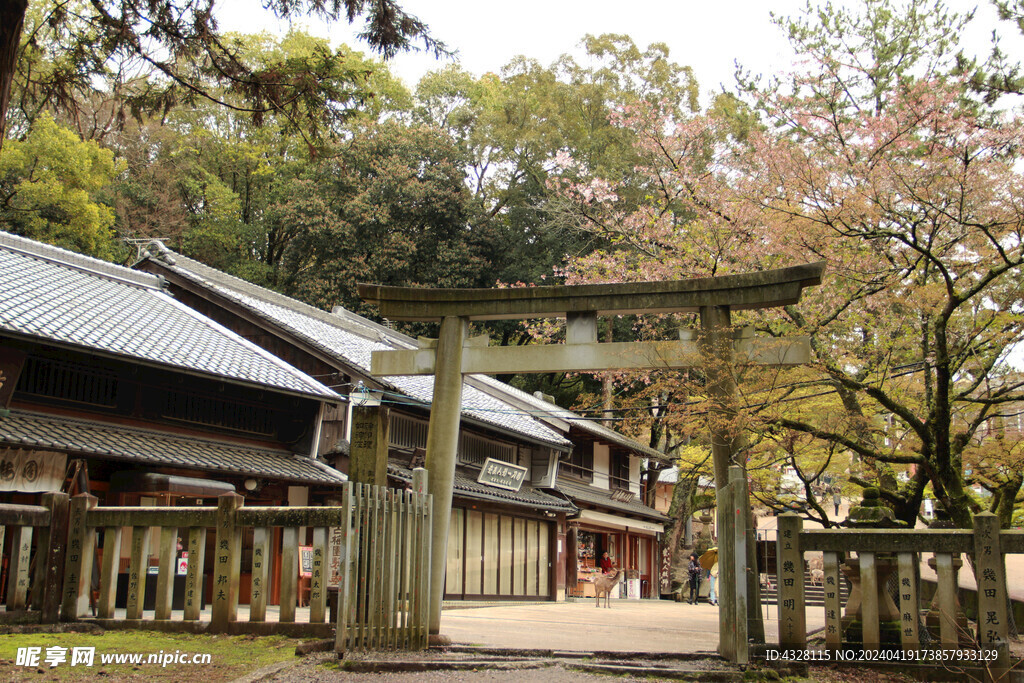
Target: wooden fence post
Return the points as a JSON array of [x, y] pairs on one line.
[[792, 617], [424, 521], [109, 571], [318, 582], [53, 562], [227, 559], [343, 631], [168, 569], [17, 570], [910, 607], [833, 600], [138, 571], [871, 638], [289, 573], [993, 627], [261, 538], [194, 576], [78, 558]]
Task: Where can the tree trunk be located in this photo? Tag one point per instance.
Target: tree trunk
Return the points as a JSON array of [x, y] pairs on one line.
[[12, 18]]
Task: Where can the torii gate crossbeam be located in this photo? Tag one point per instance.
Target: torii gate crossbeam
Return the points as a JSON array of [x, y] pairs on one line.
[[716, 349]]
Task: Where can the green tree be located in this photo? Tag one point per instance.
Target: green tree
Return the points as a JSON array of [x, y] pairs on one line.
[[48, 188], [390, 208], [179, 42]]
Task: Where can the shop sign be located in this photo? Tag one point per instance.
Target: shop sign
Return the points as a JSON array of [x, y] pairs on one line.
[[502, 475], [31, 471]]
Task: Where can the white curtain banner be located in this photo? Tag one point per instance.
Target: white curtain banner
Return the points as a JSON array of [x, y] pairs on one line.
[[31, 471]]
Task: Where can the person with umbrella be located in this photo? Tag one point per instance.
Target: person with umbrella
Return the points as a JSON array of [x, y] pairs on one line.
[[709, 561]]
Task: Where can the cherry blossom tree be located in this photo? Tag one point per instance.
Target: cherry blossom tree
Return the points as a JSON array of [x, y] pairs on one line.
[[874, 156]]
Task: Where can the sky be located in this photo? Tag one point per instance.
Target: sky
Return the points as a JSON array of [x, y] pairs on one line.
[[707, 36]]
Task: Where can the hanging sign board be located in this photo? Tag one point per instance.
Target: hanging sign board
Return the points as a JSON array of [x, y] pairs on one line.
[[31, 471], [502, 475]]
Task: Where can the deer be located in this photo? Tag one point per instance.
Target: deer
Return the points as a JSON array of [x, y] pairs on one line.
[[604, 584]]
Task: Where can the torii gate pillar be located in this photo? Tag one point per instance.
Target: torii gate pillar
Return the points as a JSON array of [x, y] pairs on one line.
[[442, 443], [713, 298]]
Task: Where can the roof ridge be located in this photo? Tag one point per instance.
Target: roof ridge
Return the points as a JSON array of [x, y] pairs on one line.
[[80, 262], [251, 346], [346, 319]]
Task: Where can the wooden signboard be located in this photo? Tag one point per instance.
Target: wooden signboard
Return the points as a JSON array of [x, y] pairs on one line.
[[503, 475]]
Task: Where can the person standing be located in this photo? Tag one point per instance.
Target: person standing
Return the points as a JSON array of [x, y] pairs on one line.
[[713, 577], [694, 571]]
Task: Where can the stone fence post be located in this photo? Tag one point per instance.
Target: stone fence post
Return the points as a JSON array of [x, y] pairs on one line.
[[227, 561]]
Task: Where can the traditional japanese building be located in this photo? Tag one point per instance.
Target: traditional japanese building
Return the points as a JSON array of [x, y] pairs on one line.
[[109, 385], [602, 476], [508, 529]]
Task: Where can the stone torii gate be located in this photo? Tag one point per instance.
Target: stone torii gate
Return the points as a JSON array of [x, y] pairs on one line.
[[715, 347]]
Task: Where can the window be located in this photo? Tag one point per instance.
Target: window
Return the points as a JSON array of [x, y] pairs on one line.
[[581, 461], [618, 477], [407, 432], [473, 450], [186, 406], [69, 382]]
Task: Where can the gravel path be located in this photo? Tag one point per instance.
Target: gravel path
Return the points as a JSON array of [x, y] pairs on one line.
[[321, 668]]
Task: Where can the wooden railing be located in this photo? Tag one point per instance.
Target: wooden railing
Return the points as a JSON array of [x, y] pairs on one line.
[[34, 595], [881, 553], [383, 565]]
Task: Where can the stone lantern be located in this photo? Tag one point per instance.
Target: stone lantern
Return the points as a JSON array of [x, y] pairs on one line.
[[871, 514]]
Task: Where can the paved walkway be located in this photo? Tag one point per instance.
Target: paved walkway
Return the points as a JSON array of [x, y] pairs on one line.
[[628, 626]]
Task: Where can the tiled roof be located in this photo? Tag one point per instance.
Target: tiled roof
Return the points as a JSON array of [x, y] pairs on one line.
[[526, 496], [65, 298], [603, 498], [145, 447], [539, 406], [350, 339]]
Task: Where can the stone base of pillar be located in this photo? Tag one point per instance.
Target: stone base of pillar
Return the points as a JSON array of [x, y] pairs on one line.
[[438, 640]]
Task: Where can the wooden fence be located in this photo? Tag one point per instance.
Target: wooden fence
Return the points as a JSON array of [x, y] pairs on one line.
[[880, 620], [381, 542], [34, 577]]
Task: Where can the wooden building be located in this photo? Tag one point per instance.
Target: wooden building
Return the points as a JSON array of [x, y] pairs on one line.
[[602, 476], [505, 540], [109, 385]]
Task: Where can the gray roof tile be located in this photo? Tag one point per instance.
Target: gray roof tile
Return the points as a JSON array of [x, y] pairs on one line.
[[66, 298], [592, 427], [351, 339], [603, 498], [146, 447], [466, 487]]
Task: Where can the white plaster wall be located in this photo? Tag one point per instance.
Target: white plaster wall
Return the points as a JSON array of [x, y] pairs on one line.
[[601, 465]]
